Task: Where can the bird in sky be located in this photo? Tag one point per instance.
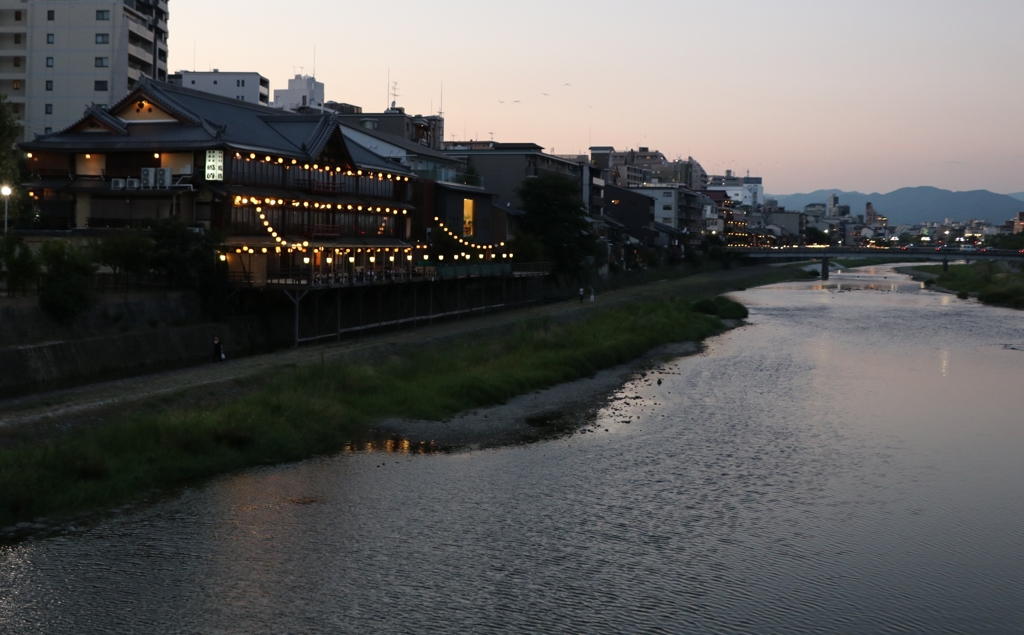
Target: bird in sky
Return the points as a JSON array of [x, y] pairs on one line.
[[517, 102], [567, 84], [545, 94], [500, 101]]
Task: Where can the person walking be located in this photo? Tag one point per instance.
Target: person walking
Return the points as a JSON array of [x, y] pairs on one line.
[[581, 295], [218, 350]]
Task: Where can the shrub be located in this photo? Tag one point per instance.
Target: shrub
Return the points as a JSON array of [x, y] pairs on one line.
[[65, 290], [963, 295]]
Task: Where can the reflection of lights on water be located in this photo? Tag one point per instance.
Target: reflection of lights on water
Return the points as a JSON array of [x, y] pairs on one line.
[[393, 445], [944, 362]]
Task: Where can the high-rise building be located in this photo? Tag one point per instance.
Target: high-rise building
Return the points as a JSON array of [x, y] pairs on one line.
[[59, 56]]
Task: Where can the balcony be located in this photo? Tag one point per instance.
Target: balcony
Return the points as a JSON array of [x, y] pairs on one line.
[[140, 53], [442, 175], [140, 30]]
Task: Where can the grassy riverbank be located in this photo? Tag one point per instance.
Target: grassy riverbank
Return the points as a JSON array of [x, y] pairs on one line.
[[317, 409], [993, 283]]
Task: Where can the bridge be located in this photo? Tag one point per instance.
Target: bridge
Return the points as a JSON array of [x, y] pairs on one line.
[[825, 254]]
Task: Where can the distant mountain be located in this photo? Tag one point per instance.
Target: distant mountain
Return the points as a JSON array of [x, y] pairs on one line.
[[917, 204], [1019, 196]]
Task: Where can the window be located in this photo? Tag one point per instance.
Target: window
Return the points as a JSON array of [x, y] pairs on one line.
[[16, 84], [17, 38], [17, 62], [103, 38], [193, 81], [49, 84], [17, 16], [467, 217], [47, 130], [49, 38], [49, 109], [16, 109], [102, 62], [50, 15], [49, 62], [100, 86], [103, 15], [666, 194], [214, 82], [666, 207]]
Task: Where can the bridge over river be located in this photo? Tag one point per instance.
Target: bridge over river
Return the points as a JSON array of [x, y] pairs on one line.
[[825, 254]]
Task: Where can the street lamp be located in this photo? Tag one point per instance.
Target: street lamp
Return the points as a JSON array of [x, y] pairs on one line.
[[6, 191]]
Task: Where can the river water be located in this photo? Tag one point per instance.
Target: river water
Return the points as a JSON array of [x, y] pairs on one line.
[[851, 462]]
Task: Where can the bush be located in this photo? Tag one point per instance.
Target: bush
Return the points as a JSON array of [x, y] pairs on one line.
[[721, 307], [65, 290], [20, 264], [963, 295]]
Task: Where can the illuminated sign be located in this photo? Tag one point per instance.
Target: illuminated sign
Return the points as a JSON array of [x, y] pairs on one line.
[[214, 165]]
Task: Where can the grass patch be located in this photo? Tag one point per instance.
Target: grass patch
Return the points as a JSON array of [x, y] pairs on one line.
[[314, 410], [993, 283], [721, 307]]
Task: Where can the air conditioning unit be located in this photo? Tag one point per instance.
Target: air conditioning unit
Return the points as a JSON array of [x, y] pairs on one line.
[[164, 178], [131, 184], [148, 178], [117, 184]]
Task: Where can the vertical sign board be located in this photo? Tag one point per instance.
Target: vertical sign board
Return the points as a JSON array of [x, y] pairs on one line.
[[214, 165]]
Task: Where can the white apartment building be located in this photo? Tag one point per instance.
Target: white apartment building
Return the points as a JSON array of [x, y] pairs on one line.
[[251, 87], [303, 92], [59, 56], [668, 203]]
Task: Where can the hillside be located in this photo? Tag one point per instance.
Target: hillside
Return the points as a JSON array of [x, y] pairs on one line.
[[917, 204]]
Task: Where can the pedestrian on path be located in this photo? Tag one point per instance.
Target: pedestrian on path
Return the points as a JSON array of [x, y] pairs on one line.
[[218, 350], [581, 295]]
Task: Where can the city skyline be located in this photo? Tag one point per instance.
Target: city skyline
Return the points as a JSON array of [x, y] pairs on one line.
[[855, 96]]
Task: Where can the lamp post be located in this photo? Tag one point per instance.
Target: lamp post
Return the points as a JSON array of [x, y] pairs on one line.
[[6, 191]]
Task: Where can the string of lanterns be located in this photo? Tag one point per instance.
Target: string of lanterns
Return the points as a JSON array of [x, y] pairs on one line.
[[463, 241], [337, 169]]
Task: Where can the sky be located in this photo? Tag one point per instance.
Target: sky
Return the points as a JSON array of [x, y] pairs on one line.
[[862, 95]]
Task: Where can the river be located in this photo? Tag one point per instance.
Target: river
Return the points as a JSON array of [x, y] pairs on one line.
[[850, 462]]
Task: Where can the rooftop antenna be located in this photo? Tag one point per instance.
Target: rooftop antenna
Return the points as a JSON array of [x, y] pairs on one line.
[[394, 93], [440, 110]]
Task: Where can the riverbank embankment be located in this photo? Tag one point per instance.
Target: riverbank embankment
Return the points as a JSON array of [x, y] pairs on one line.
[[300, 408], [992, 283]]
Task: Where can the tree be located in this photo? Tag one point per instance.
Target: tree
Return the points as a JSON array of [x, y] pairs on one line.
[[11, 164], [66, 287], [188, 258], [815, 236], [19, 263], [555, 216], [125, 252]]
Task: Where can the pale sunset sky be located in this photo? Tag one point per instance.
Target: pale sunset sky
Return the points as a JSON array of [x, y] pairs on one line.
[[868, 95]]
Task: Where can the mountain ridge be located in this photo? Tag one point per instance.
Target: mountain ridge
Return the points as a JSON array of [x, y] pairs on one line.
[[911, 205]]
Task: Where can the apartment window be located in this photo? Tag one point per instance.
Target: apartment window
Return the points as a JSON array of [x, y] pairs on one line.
[[103, 15], [102, 62], [100, 86], [666, 207], [16, 109], [666, 194], [16, 84], [49, 84], [49, 62], [47, 130], [17, 38], [193, 81], [49, 38], [49, 109], [103, 38], [50, 15], [214, 82], [17, 62], [17, 16]]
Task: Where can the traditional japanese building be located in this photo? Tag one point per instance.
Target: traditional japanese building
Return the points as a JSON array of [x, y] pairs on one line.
[[286, 191]]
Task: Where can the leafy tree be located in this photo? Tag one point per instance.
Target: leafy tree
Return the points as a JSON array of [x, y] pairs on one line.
[[12, 167], [554, 215], [66, 287], [20, 264], [125, 252], [815, 236], [185, 256]]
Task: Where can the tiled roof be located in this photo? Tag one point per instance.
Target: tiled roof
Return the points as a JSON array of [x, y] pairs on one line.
[[207, 121]]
